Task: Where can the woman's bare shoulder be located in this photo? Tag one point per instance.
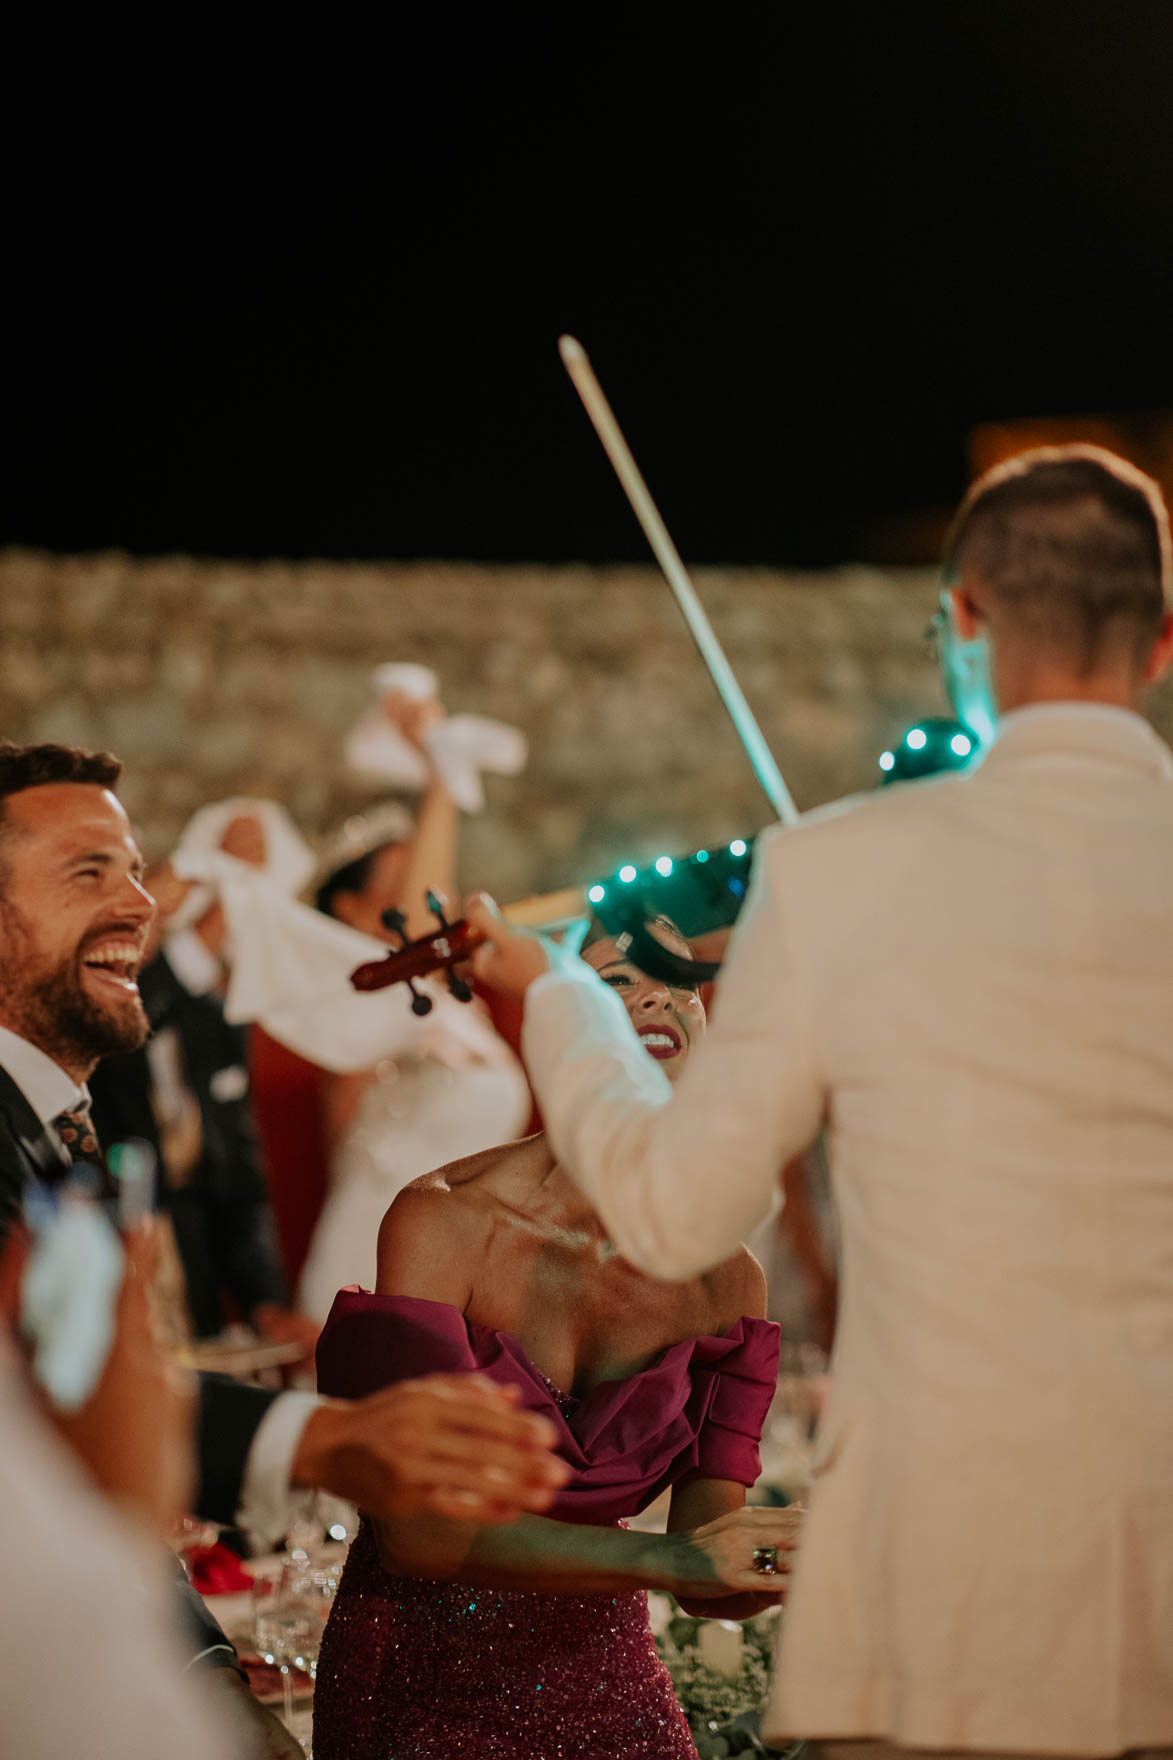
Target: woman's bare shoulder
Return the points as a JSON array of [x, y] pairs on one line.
[[435, 1233], [486, 1165], [737, 1289]]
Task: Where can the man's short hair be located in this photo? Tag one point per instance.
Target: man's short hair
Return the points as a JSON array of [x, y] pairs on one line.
[[1073, 544], [24, 767]]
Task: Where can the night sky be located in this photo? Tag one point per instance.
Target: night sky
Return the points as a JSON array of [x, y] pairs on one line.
[[289, 288]]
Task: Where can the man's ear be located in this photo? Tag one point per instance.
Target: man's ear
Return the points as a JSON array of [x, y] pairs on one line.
[[1161, 652], [967, 618]]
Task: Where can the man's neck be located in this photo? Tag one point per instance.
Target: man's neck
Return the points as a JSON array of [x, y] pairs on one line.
[[1020, 689]]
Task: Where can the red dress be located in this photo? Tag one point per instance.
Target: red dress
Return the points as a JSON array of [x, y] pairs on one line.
[[439, 1670]]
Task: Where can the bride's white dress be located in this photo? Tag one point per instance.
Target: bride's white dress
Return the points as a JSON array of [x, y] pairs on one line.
[[461, 1090]]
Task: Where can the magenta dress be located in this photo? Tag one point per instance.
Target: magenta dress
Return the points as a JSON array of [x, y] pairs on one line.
[[439, 1670]]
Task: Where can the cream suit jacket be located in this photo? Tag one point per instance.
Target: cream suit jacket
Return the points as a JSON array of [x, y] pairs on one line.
[[971, 980]]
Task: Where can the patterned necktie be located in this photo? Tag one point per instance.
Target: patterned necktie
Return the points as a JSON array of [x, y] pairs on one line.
[[76, 1130]]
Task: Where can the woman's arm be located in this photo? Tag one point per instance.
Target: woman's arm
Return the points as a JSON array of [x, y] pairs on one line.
[[710, 1566], [739, 1290], [433, 858], [698, 1501], [432, 864]]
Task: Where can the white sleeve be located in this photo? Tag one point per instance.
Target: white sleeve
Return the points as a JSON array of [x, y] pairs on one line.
[[268, 1505], [681, 1175], [91, 1664]]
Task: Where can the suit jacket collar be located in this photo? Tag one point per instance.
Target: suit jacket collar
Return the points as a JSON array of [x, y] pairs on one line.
[[1093, 730], [37, 1146], [44, 1084]]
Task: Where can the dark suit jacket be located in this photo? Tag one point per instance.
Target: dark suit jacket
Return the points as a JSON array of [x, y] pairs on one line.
[[228, 1414], [221, 1214], [27, 1151]]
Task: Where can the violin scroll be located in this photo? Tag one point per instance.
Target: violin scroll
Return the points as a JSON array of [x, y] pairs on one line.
[[446, 947]]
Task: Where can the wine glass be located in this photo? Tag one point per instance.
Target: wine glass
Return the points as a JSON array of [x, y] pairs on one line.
[[277, 1622], [310, 1597]]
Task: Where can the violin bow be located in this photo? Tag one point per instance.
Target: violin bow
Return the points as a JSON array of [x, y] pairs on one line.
[[624, 919], [753, 741]]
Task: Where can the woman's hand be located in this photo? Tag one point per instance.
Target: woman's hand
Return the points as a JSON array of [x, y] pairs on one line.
[[715, 1562], [412, 717]]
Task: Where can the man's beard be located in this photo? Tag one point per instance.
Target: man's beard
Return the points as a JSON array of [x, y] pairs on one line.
[[53, 1009]]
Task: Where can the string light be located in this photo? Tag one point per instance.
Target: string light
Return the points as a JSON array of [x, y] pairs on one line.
[[664, 865], [932, 744], [597, 894], [627, 873], [701, 856], [738, 847]]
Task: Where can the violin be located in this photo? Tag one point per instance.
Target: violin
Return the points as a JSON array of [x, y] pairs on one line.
[[448, 946], [452, 943]]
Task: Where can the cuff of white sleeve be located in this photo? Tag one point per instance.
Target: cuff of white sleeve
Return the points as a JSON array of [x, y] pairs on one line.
[[555, 976], [269, 1506]]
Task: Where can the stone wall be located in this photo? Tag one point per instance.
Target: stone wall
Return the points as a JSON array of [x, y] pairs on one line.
[[216, 678]]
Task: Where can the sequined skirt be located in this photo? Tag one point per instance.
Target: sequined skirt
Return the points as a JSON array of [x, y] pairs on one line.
[[436, 1670]]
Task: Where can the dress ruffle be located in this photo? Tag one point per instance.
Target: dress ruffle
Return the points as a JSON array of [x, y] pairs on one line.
[[698, 1408]]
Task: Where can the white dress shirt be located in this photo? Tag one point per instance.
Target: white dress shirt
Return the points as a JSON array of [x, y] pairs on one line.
[[44, 1084]]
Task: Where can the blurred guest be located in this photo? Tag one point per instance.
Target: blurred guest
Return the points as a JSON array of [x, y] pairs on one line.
[[187, 1094], [89, 1663]]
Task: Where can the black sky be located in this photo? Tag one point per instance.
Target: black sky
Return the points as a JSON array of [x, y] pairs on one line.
[[293, 288]]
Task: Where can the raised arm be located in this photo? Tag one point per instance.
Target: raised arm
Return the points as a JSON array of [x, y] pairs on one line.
[[679, 1175]]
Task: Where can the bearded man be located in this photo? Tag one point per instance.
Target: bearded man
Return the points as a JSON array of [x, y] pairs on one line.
[[75, 919]]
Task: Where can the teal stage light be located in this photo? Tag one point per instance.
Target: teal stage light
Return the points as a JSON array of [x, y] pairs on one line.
[[932, 744], [700, 890]]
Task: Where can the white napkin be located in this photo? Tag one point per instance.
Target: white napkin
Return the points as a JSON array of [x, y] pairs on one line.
[[289, 860], [460, 746], [290, 970]]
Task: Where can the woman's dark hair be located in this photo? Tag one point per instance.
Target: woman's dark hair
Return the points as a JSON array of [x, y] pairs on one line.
[[599, 932], [354, 877]]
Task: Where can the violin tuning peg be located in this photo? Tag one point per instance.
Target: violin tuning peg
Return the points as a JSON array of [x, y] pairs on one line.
[[395, 921], [419, 1004], [459, 989], [437, 904]]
